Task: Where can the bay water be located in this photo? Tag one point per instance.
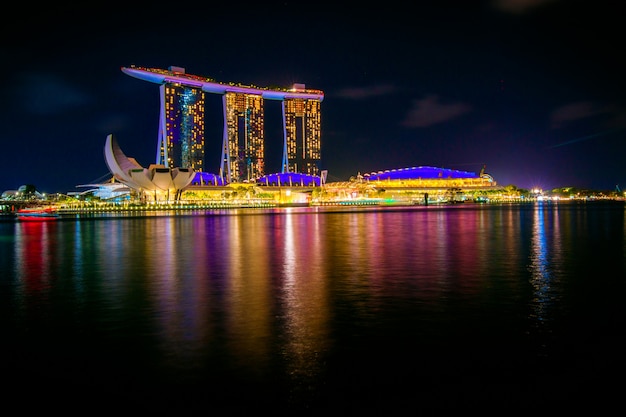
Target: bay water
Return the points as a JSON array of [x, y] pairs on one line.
[[425, 310]]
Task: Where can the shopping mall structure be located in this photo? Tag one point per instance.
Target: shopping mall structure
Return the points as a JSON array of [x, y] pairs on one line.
[[181, 173]]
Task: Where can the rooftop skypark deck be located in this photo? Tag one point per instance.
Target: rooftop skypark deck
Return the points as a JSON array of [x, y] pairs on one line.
[[178, 75]]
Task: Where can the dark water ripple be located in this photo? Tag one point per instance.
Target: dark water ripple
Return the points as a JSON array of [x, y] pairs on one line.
[[432, 310]]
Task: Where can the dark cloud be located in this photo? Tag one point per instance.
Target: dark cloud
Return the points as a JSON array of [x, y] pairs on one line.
[[359, 93], [573, 112], [431, 110], [612, 116], [46, 94], [519, 6]]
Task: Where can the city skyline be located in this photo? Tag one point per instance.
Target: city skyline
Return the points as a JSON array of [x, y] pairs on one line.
[[533, 89]]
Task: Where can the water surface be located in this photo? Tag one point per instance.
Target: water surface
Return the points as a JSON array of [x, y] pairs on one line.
[[311, 311]]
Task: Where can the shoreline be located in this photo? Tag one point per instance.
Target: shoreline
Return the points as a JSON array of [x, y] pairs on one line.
[[114, 210]]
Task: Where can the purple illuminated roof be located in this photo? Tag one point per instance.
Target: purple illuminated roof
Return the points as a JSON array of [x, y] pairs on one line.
[[206, 178], [290, 179], [419, 173]]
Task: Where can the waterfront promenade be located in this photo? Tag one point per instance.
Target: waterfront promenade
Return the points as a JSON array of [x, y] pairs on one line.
[[73, 206], [187, 206]]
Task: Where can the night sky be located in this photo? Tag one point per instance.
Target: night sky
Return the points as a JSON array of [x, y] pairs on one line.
[[533, 89]]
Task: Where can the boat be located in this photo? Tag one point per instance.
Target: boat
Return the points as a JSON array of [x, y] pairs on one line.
[[38, 214]]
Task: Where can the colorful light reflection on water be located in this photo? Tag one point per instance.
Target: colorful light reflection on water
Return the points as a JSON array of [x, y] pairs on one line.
[[310, 310]]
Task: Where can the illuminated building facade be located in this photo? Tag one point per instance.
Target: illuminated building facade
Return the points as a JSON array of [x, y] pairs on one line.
[[243, 148], [302, 124], [181, 127]]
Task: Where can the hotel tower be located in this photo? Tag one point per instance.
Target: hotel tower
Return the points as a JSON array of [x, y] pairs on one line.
[[181, 133]]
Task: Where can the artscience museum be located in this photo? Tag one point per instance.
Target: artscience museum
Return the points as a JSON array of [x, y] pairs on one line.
[[156, 182]]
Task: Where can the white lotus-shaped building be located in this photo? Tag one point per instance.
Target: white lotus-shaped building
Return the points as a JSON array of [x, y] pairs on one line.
[[156, 181]]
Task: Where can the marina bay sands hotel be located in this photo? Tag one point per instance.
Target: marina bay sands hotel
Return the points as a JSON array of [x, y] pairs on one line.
[[181, 133]]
